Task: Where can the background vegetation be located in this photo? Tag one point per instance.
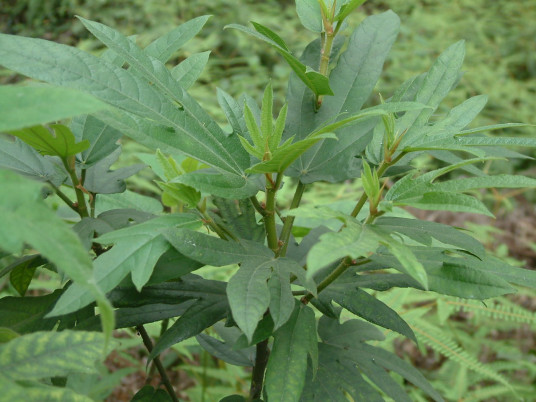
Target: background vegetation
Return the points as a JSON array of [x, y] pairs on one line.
[[500, 62]]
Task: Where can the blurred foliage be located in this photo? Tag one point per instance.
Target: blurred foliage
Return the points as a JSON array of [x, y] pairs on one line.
[[500, 35]]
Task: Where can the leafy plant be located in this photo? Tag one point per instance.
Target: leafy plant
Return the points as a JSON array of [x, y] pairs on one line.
[[297, 268]]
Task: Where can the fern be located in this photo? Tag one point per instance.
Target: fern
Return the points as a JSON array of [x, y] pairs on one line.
[[442, 343], [496, 310]]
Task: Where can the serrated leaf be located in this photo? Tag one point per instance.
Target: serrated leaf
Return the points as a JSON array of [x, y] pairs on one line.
[[287, 364], [362, 304], [61, 143], [317, 82], [23, 159], [49, 354], [188, 71], [221, 184], [136, 251], [27, 106], [211, 250], [249, 295], [198, 135], [424, 231]]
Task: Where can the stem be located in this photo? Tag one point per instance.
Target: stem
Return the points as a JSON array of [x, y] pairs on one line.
[[341, 268], [214, 226], [82, 207], [269, 219], [257, 378], [64, 197], [325, 54], [258, 207], [289, 221], [165, 379]]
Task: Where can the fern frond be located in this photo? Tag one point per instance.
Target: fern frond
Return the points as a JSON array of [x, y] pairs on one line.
[[494, 310], [441, 343]]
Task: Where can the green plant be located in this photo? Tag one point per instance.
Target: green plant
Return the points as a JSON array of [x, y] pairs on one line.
[[298, 267]]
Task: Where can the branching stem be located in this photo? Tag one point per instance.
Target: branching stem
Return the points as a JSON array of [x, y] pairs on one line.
[[165, 379], [289, 221]]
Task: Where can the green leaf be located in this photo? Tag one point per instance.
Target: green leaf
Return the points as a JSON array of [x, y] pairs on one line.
[[309, 14], [26, 218], [317, 82], [464, 281], [21, 277], [136, 251], [127, 200], [239, 217], [50, 354], [249, 295], [188, 71], [287, 364], [283, 157], [423, 232], [150, 394], [352, 241], [22, 107], [347, 8], [100, 179], [26, 314], [202, 314], [197, 134], [364, 305], [102, 139], [163, 48], [442, 201], [352, 81], [211, 250], [224, 351], [281, 298], [23, 159], [437, 83], [348, 332], [36, 391], [221, 184], [61, 143]]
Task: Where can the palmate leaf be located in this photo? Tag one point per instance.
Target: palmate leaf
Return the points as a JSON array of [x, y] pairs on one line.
[[26, 219], [343, 359], [100, 179], [136, 251], [239, 217], [70, 67], [317, 82], [48, 354], [61, 143], [22, 107], [287, 364], [36, 391], [101, 136], [23, 159]]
